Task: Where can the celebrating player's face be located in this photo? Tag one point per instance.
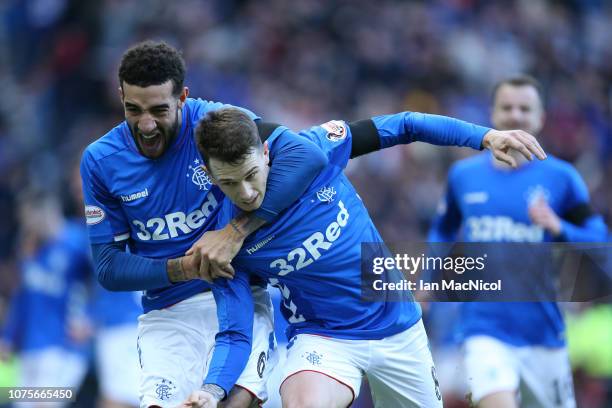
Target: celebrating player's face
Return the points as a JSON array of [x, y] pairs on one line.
[[153, 115], [517, 107], [243, 183]]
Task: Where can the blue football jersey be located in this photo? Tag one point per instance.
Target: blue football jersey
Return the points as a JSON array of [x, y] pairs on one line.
[[162, 206], [312, 253], [485, 203], [52, 291]]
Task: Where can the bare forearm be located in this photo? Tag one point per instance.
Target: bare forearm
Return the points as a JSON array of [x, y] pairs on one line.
[[175, 270], [245, 224]]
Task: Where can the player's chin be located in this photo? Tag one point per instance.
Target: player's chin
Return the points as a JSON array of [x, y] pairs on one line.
[[153, 150], [251, 206]]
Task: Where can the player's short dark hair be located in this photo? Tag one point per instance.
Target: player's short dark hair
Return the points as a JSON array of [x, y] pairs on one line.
[[228, 135], [152, 63], [519, 80]]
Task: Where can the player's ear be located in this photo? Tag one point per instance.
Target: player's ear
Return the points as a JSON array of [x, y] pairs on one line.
[[183, 96], [121, 94], [266, 152]]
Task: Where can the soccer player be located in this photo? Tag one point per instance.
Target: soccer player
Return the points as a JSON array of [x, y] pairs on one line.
[[312, 254], [516, 346], [147, 202], [45, 322]]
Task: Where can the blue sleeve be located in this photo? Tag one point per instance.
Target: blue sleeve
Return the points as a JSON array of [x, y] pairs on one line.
[[335, 139], [407, 127], [200, 107], [591, 228], [295, 162], [447, 221], [235, 311], [105, 219], [118, 270]]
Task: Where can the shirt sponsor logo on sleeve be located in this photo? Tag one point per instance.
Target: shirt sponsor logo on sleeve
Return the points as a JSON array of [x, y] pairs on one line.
[[94, 215], [336, 130]]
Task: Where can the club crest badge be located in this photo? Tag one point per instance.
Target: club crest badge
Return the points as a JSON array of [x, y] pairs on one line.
[[198, 176], [326, 194]]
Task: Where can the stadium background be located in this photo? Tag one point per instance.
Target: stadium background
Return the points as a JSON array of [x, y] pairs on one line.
[[302, 63]]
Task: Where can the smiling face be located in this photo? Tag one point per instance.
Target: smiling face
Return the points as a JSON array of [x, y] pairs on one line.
[[517, 107], [153, 114], [244, 182]]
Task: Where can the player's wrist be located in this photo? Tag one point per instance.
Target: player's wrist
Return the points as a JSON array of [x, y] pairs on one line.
[[236, 230], [214, 390], [486, 140], [175, 270], [246, 223]]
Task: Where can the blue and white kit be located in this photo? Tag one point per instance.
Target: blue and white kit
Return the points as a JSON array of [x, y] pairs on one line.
[[159, 208]]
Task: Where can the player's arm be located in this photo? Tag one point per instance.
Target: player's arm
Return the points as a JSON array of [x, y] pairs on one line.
[[444, 229], [385, 131], [446, 223], [295, 163], [233, 342], [577, 222], [582, 225], [116, 269]]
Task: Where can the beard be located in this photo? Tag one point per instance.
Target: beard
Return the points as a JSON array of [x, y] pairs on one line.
[[155, 145]]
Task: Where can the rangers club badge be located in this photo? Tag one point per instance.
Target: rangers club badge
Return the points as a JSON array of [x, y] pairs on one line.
[[199, 176]]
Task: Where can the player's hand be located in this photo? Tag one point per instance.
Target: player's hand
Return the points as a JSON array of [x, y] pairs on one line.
[[200, 399], [541, 214], [216, 250], [503, 142]]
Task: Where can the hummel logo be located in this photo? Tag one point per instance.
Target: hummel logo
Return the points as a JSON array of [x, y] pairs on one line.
[[259, 245], [135, 196], [476, 197]]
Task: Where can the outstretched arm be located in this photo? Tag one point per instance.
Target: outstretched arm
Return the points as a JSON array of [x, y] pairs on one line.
[[385, 131]]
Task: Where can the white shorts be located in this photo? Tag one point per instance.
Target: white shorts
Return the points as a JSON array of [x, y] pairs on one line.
[[399, 368], [117, 363], [51, 367], [176, 343], [541, 376]]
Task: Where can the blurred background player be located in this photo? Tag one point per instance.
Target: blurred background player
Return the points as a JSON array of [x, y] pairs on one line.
[[114, 317], [515, 353], [47, 325]]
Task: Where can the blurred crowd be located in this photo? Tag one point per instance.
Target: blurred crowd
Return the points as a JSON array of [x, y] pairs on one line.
[[301, 63]]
